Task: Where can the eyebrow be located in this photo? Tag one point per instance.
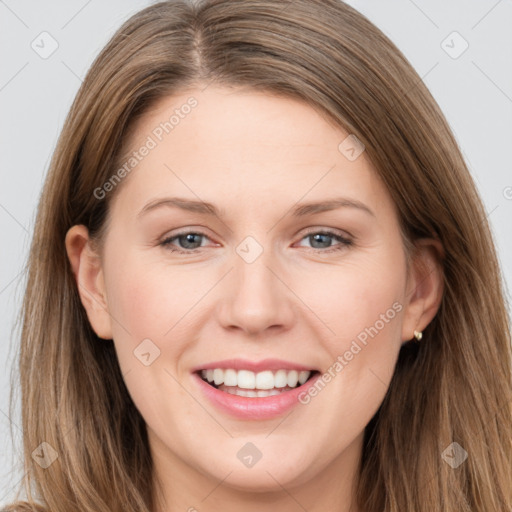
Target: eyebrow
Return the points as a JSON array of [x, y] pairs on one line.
[[300, 210]]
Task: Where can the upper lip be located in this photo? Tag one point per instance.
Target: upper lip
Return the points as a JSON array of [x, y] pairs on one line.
[[255, 366]]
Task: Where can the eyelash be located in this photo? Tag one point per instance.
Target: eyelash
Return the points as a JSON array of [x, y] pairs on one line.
[[344, 242]]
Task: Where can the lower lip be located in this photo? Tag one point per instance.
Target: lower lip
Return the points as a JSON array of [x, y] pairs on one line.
[[257, 408]]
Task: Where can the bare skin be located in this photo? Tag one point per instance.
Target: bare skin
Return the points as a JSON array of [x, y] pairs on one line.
[[304, 299]]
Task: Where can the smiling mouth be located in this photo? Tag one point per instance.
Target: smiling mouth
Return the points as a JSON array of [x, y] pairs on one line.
[[255, 385]]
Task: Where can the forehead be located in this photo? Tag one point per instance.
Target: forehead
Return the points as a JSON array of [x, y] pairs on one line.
[[252, 147]]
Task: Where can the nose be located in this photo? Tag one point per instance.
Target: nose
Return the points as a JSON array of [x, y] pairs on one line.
[[256, 297]]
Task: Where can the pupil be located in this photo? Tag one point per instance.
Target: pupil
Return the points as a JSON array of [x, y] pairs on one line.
[[189, 238], [315, 238]]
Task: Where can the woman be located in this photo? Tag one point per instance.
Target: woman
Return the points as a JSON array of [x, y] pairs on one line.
[[261, 369]]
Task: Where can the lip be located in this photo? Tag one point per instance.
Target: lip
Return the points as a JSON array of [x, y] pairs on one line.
[[255, 366], [258, 408]]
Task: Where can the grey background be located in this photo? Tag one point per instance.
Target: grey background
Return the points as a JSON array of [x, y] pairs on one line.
[[474, 90]]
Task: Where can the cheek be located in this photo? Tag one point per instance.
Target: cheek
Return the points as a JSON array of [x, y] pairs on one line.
[[149, 299], [361, 305], [147, 307], [353, 298]]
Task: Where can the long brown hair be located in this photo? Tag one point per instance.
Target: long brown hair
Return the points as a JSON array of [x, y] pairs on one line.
[[453, 387]]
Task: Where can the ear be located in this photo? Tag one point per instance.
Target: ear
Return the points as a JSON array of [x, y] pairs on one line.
[[424, 286], [88, 272]]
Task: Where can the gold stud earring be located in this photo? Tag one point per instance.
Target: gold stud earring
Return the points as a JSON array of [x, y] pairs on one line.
[[418, 335]]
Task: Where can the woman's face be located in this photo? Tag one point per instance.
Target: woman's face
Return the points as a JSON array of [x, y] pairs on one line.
[[302, 265]]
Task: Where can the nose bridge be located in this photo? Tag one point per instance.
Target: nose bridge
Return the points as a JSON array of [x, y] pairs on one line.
[[257, 299]]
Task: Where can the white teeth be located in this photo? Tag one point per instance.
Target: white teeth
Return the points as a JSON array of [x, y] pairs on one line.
[[230, 378], [245, 379], [293, 378], [263, 381], [272, 392], [245, 392], [280, 379], [303, 377], [218, 376]]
